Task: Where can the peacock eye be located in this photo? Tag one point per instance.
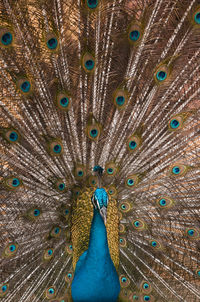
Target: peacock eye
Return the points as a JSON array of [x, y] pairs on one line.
[[197, 18], [162, 202], [50, 292], [92, 3], [36, 212], [3, 290], [120, 100], [69, 249], [11, 250], [192, 233], [69, 277], [146, 298], [93, 133], [57, 148], [61, 187], [134, 35], [64, 102], [13, 136], [198, 273], [55, 232], [13, 183], [88, 62], [6, 38], [132, 145], [25, 86], [80, 173], [178, 169], [161, 75], [124, 281], [48, 254], [138, 224], [110, 171], [52, 43], [154, 243], [174, 124], [130, 182]]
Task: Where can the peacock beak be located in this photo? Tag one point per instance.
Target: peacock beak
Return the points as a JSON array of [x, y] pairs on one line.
[[103, 213]]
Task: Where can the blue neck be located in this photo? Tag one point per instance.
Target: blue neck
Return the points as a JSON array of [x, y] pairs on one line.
[[95, 277], [98, 245]]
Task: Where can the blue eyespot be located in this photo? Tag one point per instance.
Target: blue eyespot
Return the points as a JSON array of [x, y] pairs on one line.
[[145, 285], [4, 288], [36, 212], [69, 275], [176, 170], [52, 43], [162, 202], [121, 240], [12, 247], [132, 145], [198, 273], [50, 252], [80, 173], [124, 279], [6, 39], [70, 247], [174, 124], [120, 100], [61, 186], [154, 243], [123, 206], [130, 182], [136, 223], [64, 102], [191, 232], [15, 182], [89, 64], [66, 212], [57, 230], [57, 148], [134, 35], [13, 136], [135, 297], [93, 133], [25, 86], [92, 3], [197, 18], [51, 291], [161, 75], [110, 171], [146, 298]]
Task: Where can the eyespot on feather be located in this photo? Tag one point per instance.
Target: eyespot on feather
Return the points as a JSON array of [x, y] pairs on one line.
[[6, 37], [10, 250], [134, 34], [50, 292], [178, 169], [88, 62], [12, 183], [4, 290], [63, 101]]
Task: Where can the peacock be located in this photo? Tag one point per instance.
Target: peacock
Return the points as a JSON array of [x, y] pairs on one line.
[[100, 170]]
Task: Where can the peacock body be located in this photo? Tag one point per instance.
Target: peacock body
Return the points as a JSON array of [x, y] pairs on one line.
[[99, 150]]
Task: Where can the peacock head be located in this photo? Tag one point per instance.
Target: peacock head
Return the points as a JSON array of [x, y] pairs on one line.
[[100, 202]]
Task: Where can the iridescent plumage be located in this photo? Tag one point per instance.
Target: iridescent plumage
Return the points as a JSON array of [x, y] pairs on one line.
[[100, 145]]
